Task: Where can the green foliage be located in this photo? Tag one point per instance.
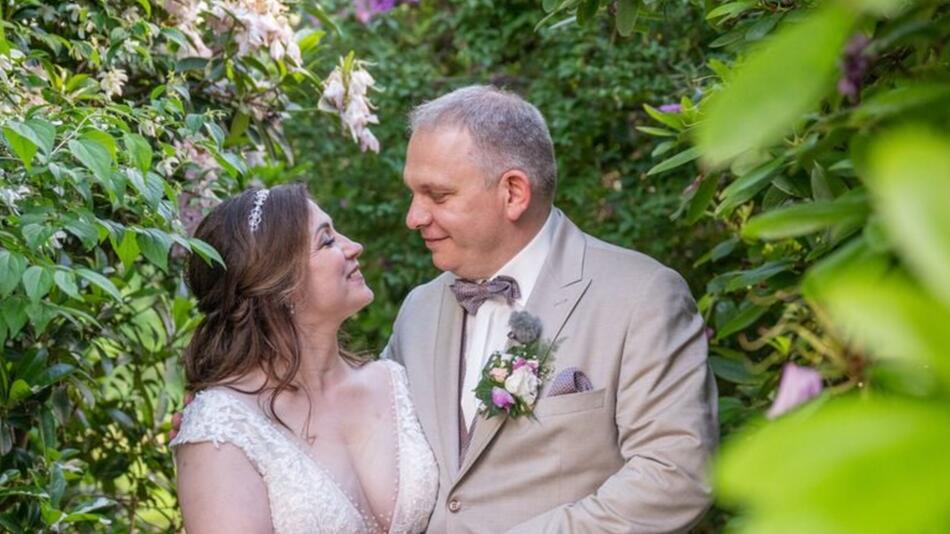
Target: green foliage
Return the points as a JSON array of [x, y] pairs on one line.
[[115, 135], [830, 138], [590, 85]]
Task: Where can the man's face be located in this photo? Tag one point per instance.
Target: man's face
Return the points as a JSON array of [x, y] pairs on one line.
[[460, 219]]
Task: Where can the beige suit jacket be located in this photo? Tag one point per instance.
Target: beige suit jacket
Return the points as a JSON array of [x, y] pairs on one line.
[[629, 456]]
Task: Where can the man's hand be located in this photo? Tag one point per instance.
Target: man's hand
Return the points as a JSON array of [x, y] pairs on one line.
[[176, 417]]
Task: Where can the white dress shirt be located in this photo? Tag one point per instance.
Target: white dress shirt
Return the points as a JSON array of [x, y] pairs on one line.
[[487, 331]]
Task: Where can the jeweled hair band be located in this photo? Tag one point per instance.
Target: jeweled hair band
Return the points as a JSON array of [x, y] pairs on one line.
[[254, 219]]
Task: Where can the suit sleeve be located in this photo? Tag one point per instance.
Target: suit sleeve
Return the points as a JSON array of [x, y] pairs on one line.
[[666, 425]]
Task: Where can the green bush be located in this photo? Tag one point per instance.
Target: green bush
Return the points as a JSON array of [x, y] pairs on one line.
[[825, 150], [120, 122]]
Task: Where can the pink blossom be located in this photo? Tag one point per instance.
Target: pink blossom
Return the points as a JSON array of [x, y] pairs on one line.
[[501, 398], [518, 363], [798, 385], [671, 108], [499, 374]]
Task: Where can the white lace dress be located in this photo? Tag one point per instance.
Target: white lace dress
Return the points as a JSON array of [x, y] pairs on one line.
[[303, 496]]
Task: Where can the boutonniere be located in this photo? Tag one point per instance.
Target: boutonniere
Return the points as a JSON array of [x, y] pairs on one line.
[[511, 379]]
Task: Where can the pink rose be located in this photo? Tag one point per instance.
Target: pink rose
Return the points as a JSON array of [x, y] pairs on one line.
[[499, 374], [519, 363]]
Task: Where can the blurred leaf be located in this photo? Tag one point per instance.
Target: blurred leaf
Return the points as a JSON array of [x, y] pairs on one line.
[[40, 132], [628, 11], [66, 281], [37, 282], [732, 371], [910, 179], [734, 280], [682, 158], [806, 218], [748, 314], [94, 156], [102, 282], [138, 151], [768, 94], [11, 270], [729, 10], [854, 465], [669, 119], [206, 251], [21, 146], [155, 245], [702, 198], [748, 185]]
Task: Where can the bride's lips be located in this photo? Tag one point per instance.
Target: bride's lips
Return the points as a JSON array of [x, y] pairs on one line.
[[355, 274]]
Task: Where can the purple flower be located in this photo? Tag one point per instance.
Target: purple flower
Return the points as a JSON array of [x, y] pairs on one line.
[[501, 398], [798, 385], [855, 63], [518, 363], [671, 108], [367, 9]]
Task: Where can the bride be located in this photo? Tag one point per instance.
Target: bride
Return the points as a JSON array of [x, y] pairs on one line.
[[288, 432]]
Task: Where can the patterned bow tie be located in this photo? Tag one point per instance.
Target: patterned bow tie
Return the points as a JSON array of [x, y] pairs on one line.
[[471, 295]]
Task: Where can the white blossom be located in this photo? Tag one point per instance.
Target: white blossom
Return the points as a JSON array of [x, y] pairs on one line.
[[523, 383], [112, 82], [11, 196], [346, 97]]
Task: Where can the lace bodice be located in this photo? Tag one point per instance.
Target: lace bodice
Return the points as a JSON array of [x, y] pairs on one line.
[[303, 496]]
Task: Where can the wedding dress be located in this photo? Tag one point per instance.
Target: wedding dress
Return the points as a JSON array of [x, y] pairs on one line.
[[303, 496]]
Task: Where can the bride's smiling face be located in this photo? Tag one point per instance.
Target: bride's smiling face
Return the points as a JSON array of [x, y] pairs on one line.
[[333, 287]]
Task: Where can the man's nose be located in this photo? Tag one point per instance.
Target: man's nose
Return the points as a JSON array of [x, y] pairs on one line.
[[417, 216]]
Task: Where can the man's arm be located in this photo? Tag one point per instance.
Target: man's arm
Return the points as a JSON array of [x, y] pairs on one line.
[[666, 422]]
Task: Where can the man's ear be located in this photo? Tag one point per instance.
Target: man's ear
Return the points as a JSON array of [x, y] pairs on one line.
[[516, 188]]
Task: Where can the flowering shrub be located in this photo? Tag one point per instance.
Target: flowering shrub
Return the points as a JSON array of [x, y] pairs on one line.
[[824, 151], [121, 121]]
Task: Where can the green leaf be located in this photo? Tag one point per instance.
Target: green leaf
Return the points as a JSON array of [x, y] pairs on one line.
[[748, 185], [11, 270], [14, 314], [40, 132], [628, 11], [659, 132], [768, 94], [138, 151], [732, 371], [94, 156], [155, 245], [19, 390], [729, 10], [807, 218], [102, 282], [909, 177], [734, 280], [669, 119], [206, 251], [21, 146], [548, 5], [37, 282], [854, 464], [748, 314], [682, 158], [702, 198], [66, 281], [586, 10], [127, 249]]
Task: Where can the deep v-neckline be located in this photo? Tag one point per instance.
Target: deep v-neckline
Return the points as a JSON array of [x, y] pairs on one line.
[[369, 519]]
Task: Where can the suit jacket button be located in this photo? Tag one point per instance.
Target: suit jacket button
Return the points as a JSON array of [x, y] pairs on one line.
[[455, 505]]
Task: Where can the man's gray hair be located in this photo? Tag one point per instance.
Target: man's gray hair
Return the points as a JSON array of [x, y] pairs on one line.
[[508, 132]]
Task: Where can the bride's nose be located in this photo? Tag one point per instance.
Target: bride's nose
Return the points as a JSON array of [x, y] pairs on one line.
[[351, 248]]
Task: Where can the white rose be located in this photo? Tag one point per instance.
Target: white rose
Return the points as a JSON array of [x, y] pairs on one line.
[[523, 384]]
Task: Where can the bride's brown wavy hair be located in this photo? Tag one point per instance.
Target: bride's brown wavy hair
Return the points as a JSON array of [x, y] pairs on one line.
[[248, 319]]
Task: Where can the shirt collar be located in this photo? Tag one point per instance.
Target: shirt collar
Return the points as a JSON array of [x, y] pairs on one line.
[[526, 265]]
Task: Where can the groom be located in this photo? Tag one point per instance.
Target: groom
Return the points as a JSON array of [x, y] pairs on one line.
[[627, 422]]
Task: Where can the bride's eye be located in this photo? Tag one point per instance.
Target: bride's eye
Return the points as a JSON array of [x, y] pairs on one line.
[[327, 242]]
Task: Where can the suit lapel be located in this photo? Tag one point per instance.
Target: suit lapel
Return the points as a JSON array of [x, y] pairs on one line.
[[445, 372], [560, 286]]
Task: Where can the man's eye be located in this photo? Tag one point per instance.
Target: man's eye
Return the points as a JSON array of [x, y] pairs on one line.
[[439, 198]]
